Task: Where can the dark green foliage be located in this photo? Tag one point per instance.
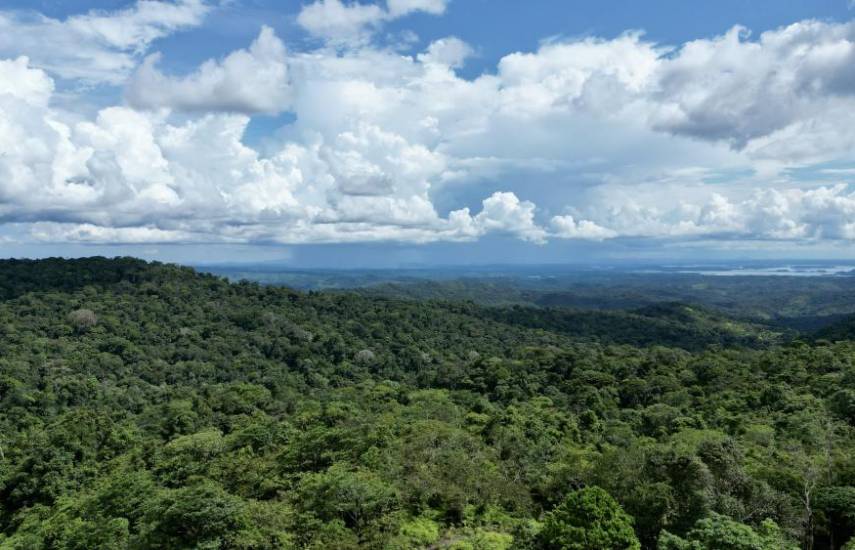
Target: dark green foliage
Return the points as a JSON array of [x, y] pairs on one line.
[[721, 533], [588, 519], [195, 413], [843, 329], [671, 324]]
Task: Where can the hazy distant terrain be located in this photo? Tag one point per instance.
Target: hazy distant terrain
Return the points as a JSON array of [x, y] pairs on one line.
[[804, 296]]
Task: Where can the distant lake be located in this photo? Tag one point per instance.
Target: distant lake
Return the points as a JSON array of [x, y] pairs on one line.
[[782, 270]]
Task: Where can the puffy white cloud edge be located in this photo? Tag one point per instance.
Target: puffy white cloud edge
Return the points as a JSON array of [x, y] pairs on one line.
[[344, 23], [98, 46]]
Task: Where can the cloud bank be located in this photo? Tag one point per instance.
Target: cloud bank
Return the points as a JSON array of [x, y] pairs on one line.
[[626, 138]]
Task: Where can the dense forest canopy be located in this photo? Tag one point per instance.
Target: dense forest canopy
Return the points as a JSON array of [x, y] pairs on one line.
[[149, 406]]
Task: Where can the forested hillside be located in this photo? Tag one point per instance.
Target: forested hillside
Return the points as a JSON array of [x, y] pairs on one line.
[[803, 303], [146, 406], [844, 329]]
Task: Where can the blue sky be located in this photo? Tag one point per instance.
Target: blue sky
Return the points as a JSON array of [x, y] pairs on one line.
[[427, 131]]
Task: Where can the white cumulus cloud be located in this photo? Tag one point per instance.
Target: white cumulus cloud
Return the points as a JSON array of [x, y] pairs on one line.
[[566, 227], [503, 212], [399, 8], [791, 213], [97, 46], [254, 80], [341, 22], [584, 138]]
